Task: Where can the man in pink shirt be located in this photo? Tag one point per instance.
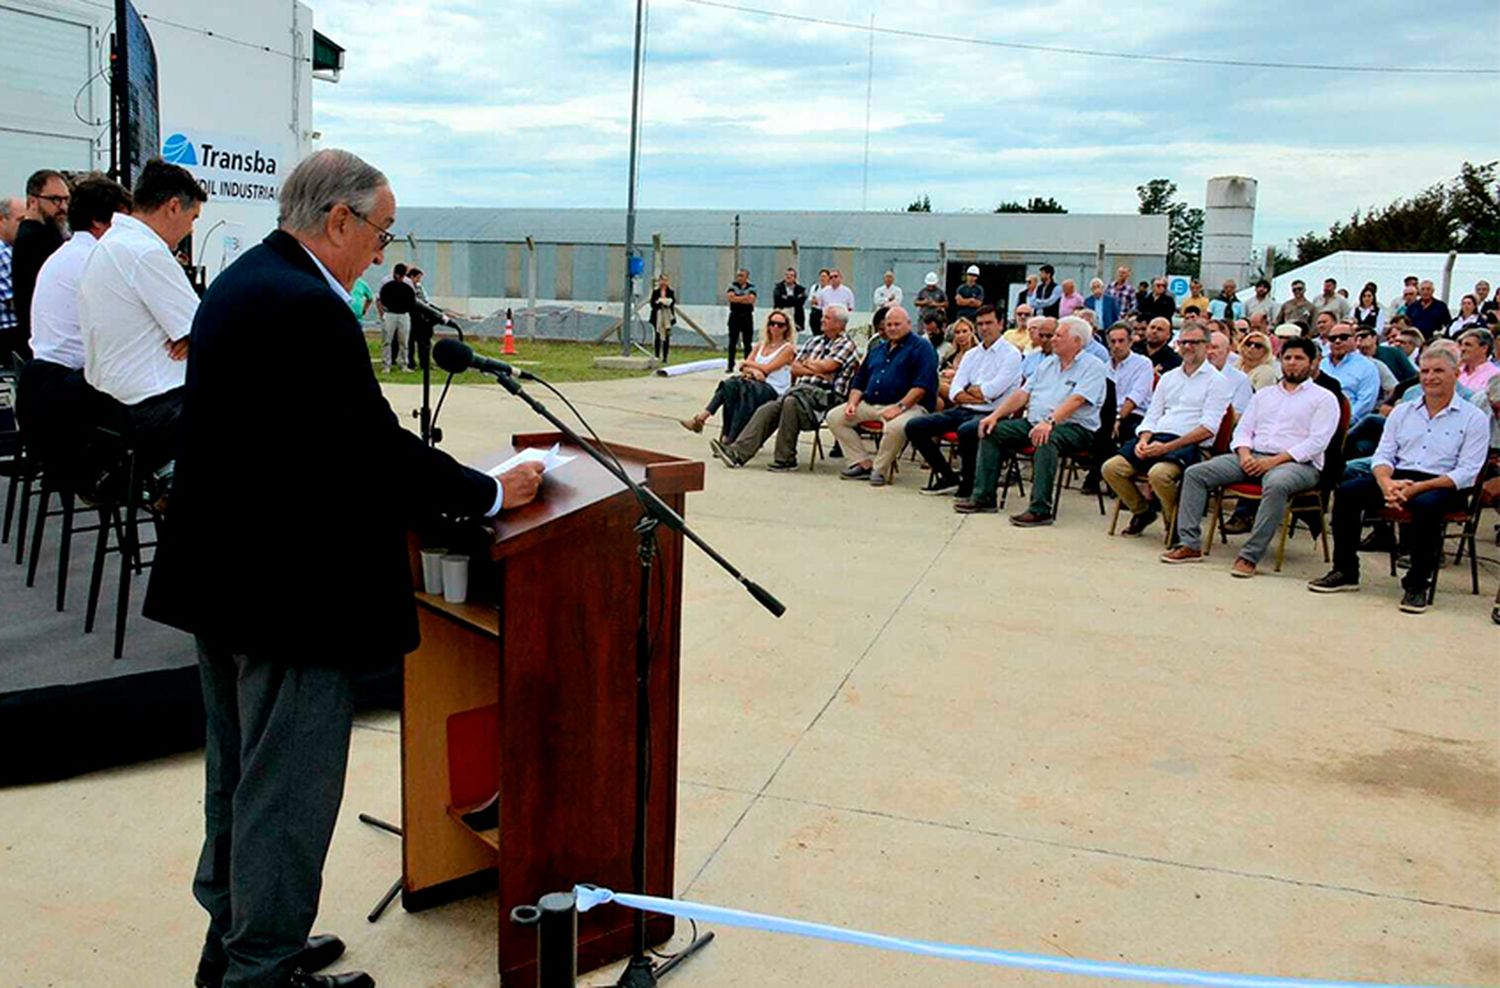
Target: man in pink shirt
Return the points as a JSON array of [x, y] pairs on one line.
[[1071, 301], [1475, 367], [1280, 441]]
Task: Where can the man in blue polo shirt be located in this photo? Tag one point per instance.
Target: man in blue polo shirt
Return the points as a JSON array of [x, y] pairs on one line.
[[1062, 404], [896, 383], [1356, 373]]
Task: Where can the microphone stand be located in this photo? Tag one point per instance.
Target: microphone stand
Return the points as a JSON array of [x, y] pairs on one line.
[[641, 972], [427, 429]]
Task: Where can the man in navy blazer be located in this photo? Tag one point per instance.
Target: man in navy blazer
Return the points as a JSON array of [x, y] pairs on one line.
[[1103, 304], [270, 483]]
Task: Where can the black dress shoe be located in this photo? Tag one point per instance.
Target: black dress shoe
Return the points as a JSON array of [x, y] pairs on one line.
[[349, 979], [319, 952]]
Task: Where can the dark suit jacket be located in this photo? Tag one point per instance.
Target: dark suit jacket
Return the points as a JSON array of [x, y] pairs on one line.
[[291, 500]]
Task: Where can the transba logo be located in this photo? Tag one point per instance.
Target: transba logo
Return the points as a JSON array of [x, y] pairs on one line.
[[178, 150]]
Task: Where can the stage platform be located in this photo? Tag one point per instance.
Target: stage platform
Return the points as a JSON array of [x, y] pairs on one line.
[[67, 706]]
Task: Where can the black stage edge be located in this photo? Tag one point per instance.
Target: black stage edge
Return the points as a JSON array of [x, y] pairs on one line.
[[67, 706]]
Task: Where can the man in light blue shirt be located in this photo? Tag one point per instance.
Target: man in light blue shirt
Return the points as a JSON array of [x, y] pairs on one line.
[[1430, 452], [1043, 330], [1355, 372], [1062, 402]]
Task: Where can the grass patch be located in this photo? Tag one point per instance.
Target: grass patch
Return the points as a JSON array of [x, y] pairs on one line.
[[554, 360]]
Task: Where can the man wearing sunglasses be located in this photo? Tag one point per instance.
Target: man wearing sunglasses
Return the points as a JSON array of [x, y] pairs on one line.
[[38, 236], [1356, 373]]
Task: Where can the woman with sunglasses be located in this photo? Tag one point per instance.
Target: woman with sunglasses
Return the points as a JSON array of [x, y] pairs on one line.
[[1256, 361], [964, 340], [763, 376]]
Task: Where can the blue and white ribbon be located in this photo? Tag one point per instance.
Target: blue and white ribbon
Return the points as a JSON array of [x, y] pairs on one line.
[[589, 896]]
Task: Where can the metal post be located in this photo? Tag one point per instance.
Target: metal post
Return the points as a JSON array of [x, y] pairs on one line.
[[1270, 269], [1448, 274], [530, 288], [556, 920], [864, 198], [628, 313], [736, 244], [943, 264], [1099, 262]]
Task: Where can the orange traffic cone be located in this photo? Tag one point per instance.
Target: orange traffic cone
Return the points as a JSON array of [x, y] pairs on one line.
[[510, 336]]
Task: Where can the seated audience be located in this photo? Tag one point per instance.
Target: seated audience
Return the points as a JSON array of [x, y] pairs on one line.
[[1157, 346], [1185, 414], [821, 372], [1431, 452], [764, 375], [950, 355], [1134, 379], [1043, 330], [1062, 402], [1240, 388], [896, 383], [1475, 367], [987, 375], [1356, 373], [135, 309], [1098, 349], [1281, 441], [1368, 345], [54, 403], [1256, 360], [1019, 336]]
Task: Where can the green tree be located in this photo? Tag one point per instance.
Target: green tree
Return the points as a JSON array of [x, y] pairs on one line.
[[1036, 204], [1158, 197], [1462, 214], [921, 205]]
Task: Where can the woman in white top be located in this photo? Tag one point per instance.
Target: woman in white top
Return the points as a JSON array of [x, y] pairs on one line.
[[1468, 317], [763, 376]]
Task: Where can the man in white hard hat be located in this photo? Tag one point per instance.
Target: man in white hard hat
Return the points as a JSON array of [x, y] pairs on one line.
[[970, 295], [932, 298]]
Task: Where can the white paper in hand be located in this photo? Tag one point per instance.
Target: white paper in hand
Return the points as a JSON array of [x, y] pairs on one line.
[[549, 459]]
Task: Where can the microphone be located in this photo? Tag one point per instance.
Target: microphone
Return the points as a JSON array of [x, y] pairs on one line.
[[435, 315], [455, 357]]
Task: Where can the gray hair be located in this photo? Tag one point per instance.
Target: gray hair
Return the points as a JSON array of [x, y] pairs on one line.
[[837, 312], [1082, 331], [1485, 337], [5, 207], [323, 180], [1087, 315]]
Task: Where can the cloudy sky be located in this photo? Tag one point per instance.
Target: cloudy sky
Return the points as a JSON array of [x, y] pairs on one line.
[[471, 102]]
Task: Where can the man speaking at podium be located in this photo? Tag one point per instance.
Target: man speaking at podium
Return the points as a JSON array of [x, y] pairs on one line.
[[284, 553]]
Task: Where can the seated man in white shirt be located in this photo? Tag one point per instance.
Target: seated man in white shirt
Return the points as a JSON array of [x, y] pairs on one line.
[[1240, 388], [1281, 440], [53, 399], [986, 376], [136, 308], [1430, 452], [1185, 414]]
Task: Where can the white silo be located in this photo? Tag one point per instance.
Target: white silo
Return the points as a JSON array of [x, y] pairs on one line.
[[1228, 225]]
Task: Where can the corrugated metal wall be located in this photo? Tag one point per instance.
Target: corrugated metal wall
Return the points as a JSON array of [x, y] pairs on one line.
[[595, 272]]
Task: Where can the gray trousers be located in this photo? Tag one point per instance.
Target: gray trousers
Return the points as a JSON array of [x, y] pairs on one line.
[[1277, 487], [395, 330], [278, 745], [799, 410]]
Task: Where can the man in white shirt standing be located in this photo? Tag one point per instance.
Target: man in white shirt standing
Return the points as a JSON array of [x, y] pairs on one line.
[[888, 293], [136, 308], [835, 293], [1280, 441], [53, 398]]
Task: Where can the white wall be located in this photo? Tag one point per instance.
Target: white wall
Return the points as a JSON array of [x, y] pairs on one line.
[[225, 91]]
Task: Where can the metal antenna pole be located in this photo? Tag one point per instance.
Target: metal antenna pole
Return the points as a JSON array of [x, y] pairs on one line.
[[864, 198], [627, 317]]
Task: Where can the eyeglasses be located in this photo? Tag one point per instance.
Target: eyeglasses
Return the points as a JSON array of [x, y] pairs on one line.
[[386, 236], [1255, 346], [1191, 342], [782, 323], [57, 200], [1337, 337]]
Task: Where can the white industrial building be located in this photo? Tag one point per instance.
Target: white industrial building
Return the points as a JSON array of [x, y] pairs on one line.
[[235, 76]]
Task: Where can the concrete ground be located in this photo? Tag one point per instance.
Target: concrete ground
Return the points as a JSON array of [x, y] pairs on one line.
[[1038, 740]]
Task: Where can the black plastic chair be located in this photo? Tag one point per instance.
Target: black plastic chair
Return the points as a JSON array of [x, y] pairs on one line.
[[127, 497]]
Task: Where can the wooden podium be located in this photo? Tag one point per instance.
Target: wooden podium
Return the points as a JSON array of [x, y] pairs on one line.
[[529, 690]]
